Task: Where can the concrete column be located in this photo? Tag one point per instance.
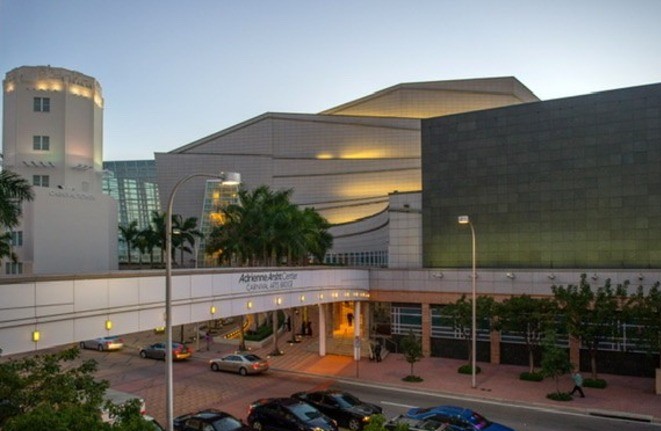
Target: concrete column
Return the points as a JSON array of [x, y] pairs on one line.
[[356, 328], [426, 330], [322, 329]]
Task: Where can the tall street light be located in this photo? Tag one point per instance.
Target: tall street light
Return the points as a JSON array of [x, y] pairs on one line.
[[464, 219], [226, 178]]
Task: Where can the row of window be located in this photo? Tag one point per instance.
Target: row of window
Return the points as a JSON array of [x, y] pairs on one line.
[[365, 258], [408, 317], [13, 268]]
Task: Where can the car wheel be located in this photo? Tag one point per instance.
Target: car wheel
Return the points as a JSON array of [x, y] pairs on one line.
[[82, 345], [99, 347], [143, 354], [354, 424], [257, 425], [214, 367], [243, 371]]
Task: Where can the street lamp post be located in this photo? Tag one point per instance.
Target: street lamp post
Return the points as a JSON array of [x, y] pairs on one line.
[[169, 393], [466, 220]]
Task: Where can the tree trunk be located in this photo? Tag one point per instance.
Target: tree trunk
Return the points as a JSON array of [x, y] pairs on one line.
[[531, 360], [593, 362]]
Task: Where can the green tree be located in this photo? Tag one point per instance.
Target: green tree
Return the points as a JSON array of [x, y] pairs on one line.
[[529, 317], [412, 350], [129, 234], [645, 310], [158, 225], [58, 392], [460, 314], [186, 235], [14, 190], [555, 361], [591, 316], [147, 242], [265, 228]]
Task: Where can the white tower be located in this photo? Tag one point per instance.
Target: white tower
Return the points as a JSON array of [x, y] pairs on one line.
[[53, 137]]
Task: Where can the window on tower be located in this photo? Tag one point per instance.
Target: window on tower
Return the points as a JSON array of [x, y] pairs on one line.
[[42, 104], [41, 143], [40, 180]]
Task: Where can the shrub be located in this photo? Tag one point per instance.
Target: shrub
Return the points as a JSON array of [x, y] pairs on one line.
[[595, 383], [261, 333], [412, 378], [559, 396], [466, 369], [531, 377]]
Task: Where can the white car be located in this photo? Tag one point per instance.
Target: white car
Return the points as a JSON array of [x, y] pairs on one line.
[[103, 343]]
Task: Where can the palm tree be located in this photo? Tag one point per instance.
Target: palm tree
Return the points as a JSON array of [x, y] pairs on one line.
[[187, 234], [129, 234], [14, 190], [157, 233], [265, 228]]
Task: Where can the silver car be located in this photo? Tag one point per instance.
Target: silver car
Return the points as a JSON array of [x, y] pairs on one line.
[[113, 342], [242, 363]]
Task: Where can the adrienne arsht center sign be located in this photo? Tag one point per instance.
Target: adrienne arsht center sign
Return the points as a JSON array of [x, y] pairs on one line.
[[268, 281]]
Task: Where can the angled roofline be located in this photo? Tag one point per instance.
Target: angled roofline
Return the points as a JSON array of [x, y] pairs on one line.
[[431, 85]]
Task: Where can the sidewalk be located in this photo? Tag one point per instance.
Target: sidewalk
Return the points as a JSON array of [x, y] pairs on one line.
[[625, 397]]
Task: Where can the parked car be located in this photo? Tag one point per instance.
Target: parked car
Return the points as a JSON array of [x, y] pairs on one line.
[[242, 363], [346, 409], [209, 420], [287, 414], [416, 424], [113, 342], [459, 418], [157, 351]]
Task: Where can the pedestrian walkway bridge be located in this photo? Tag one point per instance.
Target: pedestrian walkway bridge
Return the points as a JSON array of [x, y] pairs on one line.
[[42, 312]]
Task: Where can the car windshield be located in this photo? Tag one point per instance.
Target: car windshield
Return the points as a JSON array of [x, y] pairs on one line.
[[347, 400], [227, 424], [304, 411]]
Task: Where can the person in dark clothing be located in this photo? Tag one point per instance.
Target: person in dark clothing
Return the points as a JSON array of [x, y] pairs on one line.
[[377, 352], [304, 328], [350, 318], [288, 323], [309, 328]]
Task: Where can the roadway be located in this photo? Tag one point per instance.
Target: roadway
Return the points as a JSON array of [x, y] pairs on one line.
[[196, 387]]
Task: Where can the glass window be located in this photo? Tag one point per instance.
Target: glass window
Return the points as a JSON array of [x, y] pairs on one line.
[[41, 180], [42, 104], [41, 143]]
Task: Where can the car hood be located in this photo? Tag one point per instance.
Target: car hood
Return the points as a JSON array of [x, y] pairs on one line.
[[365, 409], [322, 423]]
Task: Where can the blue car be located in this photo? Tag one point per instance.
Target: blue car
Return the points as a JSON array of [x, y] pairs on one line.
[[459, 418]]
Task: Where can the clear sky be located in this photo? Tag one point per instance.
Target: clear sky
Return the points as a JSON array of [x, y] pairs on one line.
[[174, 71]]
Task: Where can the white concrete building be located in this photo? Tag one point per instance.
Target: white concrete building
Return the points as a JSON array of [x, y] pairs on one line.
[[53, 137]]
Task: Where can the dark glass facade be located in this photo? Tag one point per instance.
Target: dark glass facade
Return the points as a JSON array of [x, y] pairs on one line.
[[566, 183]]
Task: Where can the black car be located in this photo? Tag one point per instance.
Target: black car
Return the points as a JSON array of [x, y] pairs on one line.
[[346, 409], [209, 420], [288, 414]]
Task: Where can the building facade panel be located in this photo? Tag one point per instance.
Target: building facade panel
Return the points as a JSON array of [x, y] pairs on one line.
[[565, 183]]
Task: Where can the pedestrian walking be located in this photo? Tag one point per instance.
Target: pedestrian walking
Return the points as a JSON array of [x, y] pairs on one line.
[[309, 327], [208, 338], [578, 383], [350, 318], [288, 322], [377, 352]]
